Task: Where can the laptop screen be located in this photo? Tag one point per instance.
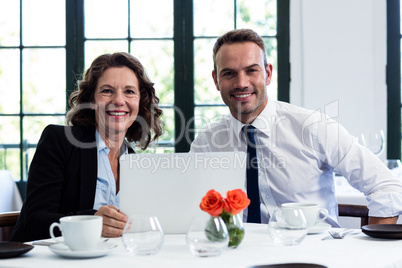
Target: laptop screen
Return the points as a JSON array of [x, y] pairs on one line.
[[171, 186]]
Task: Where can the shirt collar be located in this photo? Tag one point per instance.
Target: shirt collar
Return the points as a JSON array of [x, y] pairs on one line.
[[263, 122]]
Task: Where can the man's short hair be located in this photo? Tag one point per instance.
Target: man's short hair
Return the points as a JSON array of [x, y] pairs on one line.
[[239, 36]]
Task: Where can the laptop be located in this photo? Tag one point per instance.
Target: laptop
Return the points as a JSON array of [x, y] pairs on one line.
[[171, 186]]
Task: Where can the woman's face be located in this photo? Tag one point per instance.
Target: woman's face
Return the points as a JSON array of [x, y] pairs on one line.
[[117, 97]]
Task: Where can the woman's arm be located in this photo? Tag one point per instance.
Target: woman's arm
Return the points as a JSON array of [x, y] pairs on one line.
[[53, 187]]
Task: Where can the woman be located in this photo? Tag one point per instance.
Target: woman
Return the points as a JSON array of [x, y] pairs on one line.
[[75, 169]]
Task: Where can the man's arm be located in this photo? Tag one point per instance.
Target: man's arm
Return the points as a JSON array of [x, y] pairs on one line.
[[381, 220]]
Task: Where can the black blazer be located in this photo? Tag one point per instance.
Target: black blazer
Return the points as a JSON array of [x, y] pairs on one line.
[[61, 181]]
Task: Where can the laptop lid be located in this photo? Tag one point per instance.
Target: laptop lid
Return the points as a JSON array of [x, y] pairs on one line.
[[171, 186]]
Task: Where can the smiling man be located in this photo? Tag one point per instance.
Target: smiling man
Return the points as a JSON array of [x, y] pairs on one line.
[[292, 152], [241, 78]]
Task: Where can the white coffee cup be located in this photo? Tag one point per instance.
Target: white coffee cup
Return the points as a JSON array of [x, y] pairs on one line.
[[312, 212], [80, 233]]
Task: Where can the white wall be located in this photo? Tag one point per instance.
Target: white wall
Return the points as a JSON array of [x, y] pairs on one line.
[[338, 59]]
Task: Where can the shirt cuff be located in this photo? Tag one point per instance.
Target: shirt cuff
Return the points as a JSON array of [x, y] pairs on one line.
[[384, 204]]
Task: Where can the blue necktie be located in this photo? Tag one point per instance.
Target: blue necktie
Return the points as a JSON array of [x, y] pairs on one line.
[[253, 191]]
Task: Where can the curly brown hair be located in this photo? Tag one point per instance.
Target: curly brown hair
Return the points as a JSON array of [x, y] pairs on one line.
[[148, 125]]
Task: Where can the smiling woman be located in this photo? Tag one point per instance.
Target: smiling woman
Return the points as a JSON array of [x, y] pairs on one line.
[[102, 69], [75, 170], [116, 103]]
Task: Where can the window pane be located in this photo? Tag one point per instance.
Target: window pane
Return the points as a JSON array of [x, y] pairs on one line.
[[34, 125], [106, 19], [152, 149], [168, 119], [93, 49], [9, 23], [44, 25], [9, 129], [157, 58], [163, 150], [213, 17], [207, 115], [44, 80], [10, 160], [166, 141], [151, 18], [272, 57], [205, 90], [9, 81], [259, 15], [9, 145]]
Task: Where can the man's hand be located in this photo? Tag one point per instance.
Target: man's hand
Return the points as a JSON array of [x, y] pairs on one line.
[[113, 221], [380, 220]]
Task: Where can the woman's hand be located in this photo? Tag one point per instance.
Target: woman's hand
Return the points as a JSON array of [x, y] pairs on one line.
[[113, 221]]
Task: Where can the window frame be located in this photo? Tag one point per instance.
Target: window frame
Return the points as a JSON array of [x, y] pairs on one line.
[[183, 59], [393, 71], [183, 66]]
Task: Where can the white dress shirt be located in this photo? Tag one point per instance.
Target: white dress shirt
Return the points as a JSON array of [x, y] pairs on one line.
[[298, 152]]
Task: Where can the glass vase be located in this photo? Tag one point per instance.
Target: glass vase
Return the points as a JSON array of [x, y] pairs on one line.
[[207, 236], [234, 224]]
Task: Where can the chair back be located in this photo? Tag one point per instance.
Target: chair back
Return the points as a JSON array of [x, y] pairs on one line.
[[7, 223], [359, 211]]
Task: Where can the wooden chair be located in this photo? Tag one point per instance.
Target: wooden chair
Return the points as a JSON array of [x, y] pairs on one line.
[[7, 223], [354, 211]]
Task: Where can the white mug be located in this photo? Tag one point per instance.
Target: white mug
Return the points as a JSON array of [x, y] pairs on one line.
[[80, 233], [312, 212]]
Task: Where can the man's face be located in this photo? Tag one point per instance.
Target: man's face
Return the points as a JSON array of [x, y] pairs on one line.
[[242, 79]]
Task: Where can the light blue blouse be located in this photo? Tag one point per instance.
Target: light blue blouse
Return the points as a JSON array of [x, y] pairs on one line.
[[106, 184]]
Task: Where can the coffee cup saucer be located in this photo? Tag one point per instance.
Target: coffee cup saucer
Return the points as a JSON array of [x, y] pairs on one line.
[[102, 249], [319, 228]]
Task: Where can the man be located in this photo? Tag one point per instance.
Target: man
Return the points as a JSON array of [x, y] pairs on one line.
[[298, 150]]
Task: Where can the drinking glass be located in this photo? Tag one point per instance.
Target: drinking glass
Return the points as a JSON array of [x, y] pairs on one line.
[[395, 166], [287, 226], [142, 235], [375, 141], [207, 236], [361, 140], [393, 163]]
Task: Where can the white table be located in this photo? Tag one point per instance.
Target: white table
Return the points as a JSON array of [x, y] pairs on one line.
[[257, 248]]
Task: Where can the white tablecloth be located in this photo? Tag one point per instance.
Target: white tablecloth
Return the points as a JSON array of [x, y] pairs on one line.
[[10, 198], [257, 248]]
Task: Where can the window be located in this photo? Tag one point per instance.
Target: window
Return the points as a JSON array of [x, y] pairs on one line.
[[42, 54], [32, 77]]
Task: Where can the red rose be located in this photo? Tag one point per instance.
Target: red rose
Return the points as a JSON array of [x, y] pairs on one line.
[[212, 203], [236, 201]]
